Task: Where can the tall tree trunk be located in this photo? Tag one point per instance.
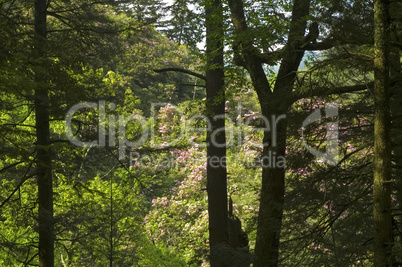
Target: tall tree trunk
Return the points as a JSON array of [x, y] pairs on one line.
[[273, 103], [216, 140], [273, 177], [396, 118], [43, 156], [383, 238]]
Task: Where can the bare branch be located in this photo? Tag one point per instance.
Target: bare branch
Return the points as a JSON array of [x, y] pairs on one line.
[[24, 178], [189, 72], [10, 166], [193, 85]]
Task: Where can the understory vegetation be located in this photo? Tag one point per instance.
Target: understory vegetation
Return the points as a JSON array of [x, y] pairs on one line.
[[109, 98]]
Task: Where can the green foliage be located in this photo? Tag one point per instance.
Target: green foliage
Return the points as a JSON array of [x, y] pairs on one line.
[[184, 23], [99, 203], [154, 211]]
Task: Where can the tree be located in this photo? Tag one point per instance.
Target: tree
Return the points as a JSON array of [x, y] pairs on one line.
[[94, 51], [216, 139], [275, 100], [43, 152], [383, 236], [183, 24], [272, 101], [52, 60], [396, 98]]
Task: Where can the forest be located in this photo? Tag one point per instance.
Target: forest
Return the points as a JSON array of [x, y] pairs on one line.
[[222, 133]]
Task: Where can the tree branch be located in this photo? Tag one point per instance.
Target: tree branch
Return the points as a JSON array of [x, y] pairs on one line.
[[360, 56], [10, 166], [271, 58], [325, 91], [397, 45], [25, 178], [193, 85], [246, 55], [326, 44], [189, 72]]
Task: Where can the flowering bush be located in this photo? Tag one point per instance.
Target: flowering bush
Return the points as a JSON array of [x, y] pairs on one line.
[[181, 220]]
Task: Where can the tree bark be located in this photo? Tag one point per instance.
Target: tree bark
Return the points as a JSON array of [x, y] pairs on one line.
[[43, 156], [216, 140], [383, 238]]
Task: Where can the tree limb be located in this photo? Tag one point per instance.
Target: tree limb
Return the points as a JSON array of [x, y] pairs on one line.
[[325, 91], [326, 44], [397, 45], [10, 166], [246, 55], [25, 178], [189, 72], [272, 58], [360, 56], [193, 85]]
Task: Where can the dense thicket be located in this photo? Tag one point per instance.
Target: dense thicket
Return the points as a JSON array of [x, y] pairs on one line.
[[147, 205]]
